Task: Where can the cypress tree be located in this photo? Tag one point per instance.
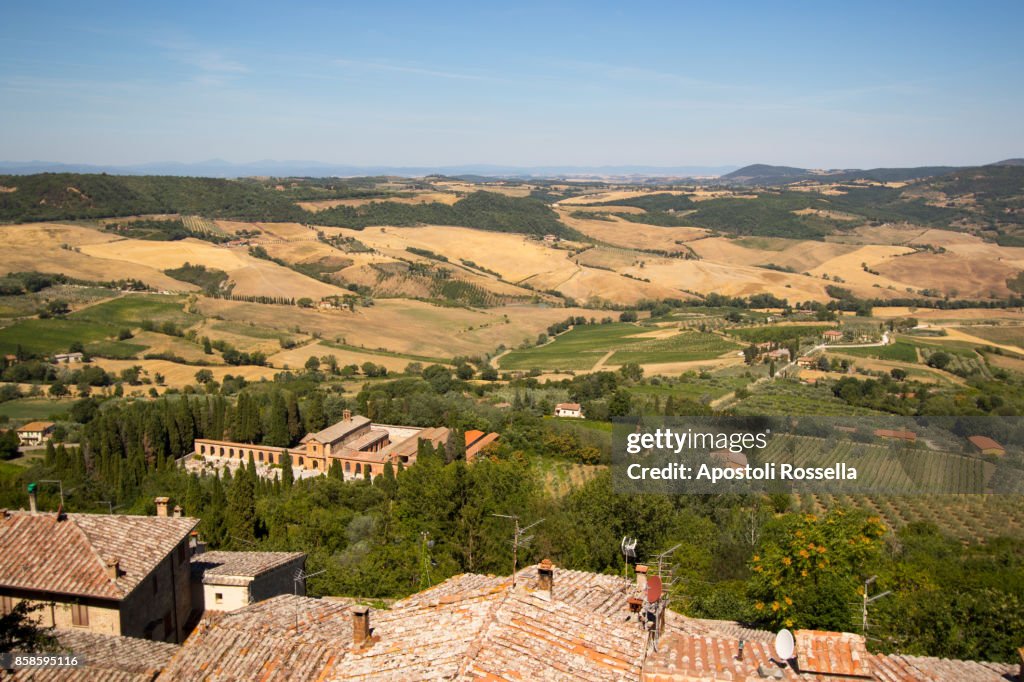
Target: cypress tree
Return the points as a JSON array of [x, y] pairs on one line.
[[277, 423], [241, 512], [287, 475]]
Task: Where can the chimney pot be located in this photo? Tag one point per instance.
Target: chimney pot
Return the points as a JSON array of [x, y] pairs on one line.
[[360, 625], [641, 577], [113, 568], [161, 505], [32, 498], [346, 415], [177, 511], [545, 575]]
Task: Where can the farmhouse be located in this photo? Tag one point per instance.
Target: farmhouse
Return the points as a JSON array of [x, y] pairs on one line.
[[986, 446], [67, 358], [226, 581], [572, 410], [779, 354], [35, 433], [832, 335], [361, 448], [476, 441], [806, 361], [107, 574]]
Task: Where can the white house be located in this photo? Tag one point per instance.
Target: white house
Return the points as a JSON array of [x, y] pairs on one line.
[[569, 410]]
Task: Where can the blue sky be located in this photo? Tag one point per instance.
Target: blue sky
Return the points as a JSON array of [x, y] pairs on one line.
[[815, 84]]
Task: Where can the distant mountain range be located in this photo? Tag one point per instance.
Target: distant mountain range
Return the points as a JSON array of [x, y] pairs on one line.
[[218, 168]]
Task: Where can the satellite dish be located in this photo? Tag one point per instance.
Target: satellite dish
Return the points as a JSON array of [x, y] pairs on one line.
[[784, 644], [653, 588]]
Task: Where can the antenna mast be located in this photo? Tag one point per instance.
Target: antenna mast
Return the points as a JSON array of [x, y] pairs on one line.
[[519, 537], [869, 600]]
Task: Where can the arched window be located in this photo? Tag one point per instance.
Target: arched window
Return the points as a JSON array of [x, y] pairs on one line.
[[316, 464], [202, 449], [221, 450], [231, 452], [348, 466], [261, 456], [302, 462], [359, 468]]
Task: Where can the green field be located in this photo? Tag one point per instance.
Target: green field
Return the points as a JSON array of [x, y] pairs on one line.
[[692, 388], [250, 330], [1011, 336], [117, 350], [34, 408], [577, 349], [679, 348], [792, 398], [900, 351], [779, 333], [52, 335], [129, 311], [971, 518]]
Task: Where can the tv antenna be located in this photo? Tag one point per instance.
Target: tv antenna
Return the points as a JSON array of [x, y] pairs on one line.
[[301, 576], [519, 537], [110, 506], [425, 561], [869, 600], [628, 547], [61, 485]]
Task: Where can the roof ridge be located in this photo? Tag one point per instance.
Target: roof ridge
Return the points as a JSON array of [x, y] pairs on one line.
[[476, 645], [102, 560]]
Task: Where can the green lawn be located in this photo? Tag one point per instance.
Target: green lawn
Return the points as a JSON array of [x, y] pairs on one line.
[[577, 349], [252, 331]]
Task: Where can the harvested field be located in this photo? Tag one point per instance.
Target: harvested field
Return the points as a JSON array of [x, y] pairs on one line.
[[423, 198], [975, 278], [631, 235], [295, 358], [23, 243], [402, 326], [177, 375]]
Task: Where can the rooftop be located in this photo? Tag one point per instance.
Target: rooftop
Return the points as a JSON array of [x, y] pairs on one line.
[[214, 567], [567, 406], [107, 657], [36, 426], [68, 555], [340, 430], [984, 443]]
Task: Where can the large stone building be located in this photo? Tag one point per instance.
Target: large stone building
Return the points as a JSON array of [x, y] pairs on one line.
[[108, 574], [360, 447]]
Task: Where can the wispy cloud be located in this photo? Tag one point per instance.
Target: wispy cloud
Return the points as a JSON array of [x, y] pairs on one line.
[[212, 67], [410, 69]]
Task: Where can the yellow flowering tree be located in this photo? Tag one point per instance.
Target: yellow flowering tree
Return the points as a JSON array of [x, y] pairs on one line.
[[808, 569]]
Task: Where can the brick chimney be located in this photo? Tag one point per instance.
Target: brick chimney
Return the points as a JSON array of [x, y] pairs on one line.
[[177, 511], [360, 625], [161, 505], [545, 576], [641, 577], [113, 568], [32, 497], [346, 415]]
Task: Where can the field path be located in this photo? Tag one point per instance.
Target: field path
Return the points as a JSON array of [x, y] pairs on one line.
[[957, 334], [600, 363]]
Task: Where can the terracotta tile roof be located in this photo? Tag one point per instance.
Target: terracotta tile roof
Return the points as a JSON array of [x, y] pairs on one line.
[[35, 426], [898, 668], [473, 436], [832, 653], [338, 431], [984, 443], [567, 406], [473, 450], [107, 657], [212, 568], [894, 433], [283, 638], [40, 552]]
